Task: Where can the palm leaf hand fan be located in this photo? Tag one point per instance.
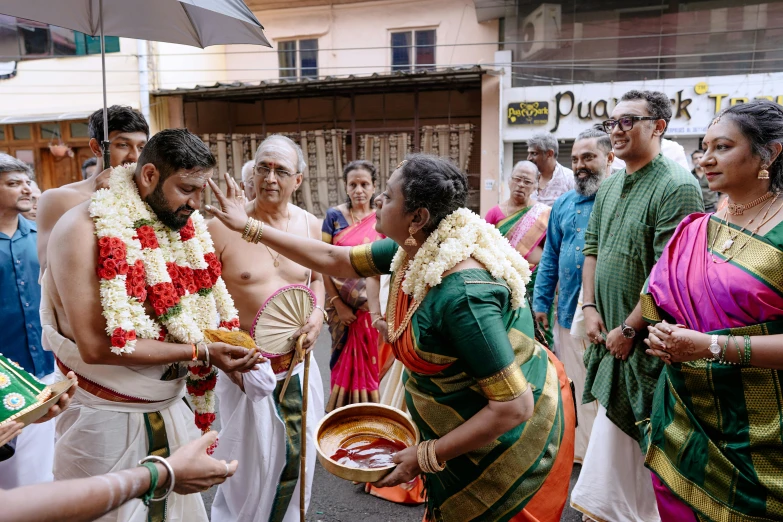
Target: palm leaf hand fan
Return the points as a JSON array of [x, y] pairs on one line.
[[285, 312]]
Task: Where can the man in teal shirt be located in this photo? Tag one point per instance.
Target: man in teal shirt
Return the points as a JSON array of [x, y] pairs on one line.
[[635, 214]]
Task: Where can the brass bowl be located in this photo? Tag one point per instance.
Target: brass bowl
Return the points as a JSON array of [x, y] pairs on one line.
[[370, 419]]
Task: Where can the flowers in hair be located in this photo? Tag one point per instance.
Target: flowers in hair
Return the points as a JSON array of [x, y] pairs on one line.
[[460, 235]]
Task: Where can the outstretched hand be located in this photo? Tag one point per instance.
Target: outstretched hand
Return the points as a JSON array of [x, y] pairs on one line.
[[195, 471], [231, 211]]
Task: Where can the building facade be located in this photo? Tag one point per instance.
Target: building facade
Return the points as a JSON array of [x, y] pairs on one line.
[[346, 78], [567, 63]]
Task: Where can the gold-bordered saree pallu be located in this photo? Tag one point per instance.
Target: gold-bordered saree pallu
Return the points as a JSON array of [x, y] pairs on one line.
[[463, 347], [716, 430]]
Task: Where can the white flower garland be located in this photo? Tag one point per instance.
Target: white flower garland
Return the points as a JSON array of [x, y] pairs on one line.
[[115, 210], [463, 234], [129, 235]]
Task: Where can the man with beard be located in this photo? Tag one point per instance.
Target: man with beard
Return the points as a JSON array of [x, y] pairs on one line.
[[128, 133], [562, 262], [257, 427], [110, 329], [636, 212]]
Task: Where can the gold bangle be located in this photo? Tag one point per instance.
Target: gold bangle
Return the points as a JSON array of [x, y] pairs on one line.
[[331, 301], [434, 464], [247, 227], [260, 232], [420, 456]]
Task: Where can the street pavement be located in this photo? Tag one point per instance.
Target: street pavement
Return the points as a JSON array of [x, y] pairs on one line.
[[337, 500]]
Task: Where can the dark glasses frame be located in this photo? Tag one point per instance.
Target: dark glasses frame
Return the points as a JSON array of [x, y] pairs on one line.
[[625, 122]]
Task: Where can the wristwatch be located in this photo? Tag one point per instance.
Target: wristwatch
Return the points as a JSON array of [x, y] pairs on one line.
[[627, 331], [714, 348]]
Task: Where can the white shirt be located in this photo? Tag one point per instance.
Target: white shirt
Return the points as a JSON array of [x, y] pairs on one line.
[[562, 181]]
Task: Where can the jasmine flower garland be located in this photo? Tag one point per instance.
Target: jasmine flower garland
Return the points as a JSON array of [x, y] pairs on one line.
[[459, 236]]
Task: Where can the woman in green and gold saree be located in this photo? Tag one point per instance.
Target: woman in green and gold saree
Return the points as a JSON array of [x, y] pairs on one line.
[[493, 406], [716, 298]]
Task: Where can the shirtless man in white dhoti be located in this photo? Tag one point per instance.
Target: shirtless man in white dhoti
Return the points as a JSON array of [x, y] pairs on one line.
[[136, 261], [257, 428], [128, 133]]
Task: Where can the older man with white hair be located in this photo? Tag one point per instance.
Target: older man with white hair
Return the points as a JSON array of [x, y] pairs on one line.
[[258, 427], [554, 179], [247, 184]]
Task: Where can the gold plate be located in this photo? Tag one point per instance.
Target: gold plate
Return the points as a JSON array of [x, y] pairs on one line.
[[56, 389], [356, 420]]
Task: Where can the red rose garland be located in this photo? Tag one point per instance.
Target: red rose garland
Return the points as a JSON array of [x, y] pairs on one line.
[[166, 279]]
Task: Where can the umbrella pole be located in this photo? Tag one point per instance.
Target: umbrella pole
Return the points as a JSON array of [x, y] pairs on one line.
[[303, 453], [105, 144]]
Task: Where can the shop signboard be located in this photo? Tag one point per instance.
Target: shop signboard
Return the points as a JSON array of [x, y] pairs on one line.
[[567, 110]]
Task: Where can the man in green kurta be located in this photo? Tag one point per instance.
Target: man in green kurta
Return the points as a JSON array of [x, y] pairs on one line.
[[635, 214]]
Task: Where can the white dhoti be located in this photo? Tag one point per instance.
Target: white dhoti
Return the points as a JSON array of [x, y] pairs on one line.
[[263, 434], [614, 485], [34, 454], [97, 436], [571, 353]]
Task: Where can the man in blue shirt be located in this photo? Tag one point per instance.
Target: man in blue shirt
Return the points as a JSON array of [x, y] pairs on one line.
[[562, 262], [20, 296]]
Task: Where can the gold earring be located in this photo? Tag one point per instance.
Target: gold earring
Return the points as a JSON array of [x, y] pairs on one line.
[[411, 241], [764, 173]]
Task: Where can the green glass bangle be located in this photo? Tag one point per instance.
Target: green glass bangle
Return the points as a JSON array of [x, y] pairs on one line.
[[722, 359], [146, 497], [746, 359]]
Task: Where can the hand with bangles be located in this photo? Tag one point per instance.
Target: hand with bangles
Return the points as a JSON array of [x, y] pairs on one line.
[[673, 343]]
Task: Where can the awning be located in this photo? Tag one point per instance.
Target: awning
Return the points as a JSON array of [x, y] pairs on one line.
[[452, 78], [35, 118]]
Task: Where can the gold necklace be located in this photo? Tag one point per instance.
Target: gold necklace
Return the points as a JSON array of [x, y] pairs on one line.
[[353, 219], [391, 311], [277, 259], [738, 210], [764, 221], [730, 242]]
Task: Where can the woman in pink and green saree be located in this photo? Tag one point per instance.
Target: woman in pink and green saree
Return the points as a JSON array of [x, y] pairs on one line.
[[716, 300], [523, 222], [354, 361]]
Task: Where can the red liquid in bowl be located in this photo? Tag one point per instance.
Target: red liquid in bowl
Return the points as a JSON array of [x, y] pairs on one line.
[[367, 452]]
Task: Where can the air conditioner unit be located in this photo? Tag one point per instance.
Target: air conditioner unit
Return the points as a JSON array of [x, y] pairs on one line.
[[540, 30]]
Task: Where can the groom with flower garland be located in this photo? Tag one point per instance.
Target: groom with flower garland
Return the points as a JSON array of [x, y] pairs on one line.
[[132, 284]]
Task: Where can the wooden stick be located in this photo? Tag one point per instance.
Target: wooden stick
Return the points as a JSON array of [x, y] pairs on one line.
[[303, 453], [296, 359]]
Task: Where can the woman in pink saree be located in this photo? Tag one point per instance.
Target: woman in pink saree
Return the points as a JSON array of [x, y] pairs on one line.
[[716, 300], [523, 222], [354, 361]]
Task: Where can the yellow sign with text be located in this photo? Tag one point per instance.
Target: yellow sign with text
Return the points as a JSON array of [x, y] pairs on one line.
[[528, 113]]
